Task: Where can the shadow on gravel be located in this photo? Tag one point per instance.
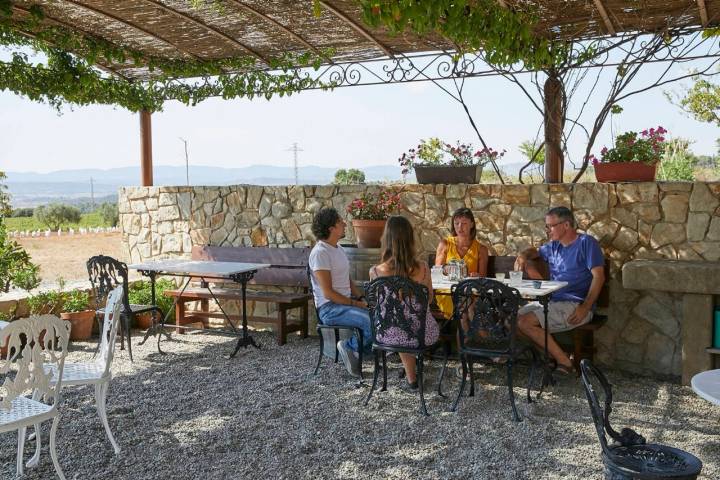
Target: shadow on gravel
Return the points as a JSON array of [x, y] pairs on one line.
[[194, 413]]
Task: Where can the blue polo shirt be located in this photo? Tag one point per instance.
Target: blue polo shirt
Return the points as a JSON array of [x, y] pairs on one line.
[[572, 264]]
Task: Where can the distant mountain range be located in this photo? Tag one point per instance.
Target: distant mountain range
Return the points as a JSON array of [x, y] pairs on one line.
[[29, 189]]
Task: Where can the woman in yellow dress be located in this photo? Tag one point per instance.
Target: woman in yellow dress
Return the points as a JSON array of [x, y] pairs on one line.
[[462, 244]]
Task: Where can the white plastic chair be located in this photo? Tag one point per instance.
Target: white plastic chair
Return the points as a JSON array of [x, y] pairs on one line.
[[33, 343], [97, 372]]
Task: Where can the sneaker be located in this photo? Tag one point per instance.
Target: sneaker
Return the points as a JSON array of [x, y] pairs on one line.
[[349, 358]]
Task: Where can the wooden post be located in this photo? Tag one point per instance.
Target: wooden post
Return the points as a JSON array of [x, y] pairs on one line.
[[146, 166], [553, 130]]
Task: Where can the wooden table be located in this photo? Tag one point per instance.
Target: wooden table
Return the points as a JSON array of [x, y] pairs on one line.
[[207, 271], [707, 385]]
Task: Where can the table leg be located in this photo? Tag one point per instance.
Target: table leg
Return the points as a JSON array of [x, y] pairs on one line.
[[160, 329], [547, 377], [246, 339]]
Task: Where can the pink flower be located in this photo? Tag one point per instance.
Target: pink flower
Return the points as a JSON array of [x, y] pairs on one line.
[[603, 151]]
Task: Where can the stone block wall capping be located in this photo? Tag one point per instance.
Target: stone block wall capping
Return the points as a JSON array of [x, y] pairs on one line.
[[697, 282]]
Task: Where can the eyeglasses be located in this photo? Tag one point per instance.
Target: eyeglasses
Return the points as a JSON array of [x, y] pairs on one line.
[[549, 226]]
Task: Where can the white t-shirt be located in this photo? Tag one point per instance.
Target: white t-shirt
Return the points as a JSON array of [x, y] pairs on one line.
[[333, 259]]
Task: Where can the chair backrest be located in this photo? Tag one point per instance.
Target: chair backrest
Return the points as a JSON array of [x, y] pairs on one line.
[[32, 343], [486, 312], [105, 274], [111, 319], [398, 307], [311, 291], [601, 411]]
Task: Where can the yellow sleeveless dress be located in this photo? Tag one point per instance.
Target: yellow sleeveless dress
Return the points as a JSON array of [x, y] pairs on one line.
[[471, 258]]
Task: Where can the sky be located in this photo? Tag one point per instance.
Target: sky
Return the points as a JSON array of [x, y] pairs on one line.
[[348, 127]]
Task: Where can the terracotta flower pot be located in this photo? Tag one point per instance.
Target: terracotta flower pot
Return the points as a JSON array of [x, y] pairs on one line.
[[82, 323], [368, 232], [144, 321], [625, 172]]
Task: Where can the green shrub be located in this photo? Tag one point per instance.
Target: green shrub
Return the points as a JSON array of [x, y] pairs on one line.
[[22, 212], [75, 301], [16, 269], [351, 176], [45, 302], [109, 213], [140, 293], [677, 162]]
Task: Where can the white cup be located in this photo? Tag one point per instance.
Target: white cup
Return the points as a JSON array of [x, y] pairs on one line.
[[516, 278], [500, 276]]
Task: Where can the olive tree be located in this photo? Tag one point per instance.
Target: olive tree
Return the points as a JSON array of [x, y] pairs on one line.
[[56, 215]]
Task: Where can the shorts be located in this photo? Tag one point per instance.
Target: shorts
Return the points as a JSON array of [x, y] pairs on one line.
[[558, 314]]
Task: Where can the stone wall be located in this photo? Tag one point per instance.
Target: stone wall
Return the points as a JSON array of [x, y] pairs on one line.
[[637, 220]]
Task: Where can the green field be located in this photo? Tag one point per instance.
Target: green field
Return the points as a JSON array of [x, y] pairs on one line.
[[87, 220]]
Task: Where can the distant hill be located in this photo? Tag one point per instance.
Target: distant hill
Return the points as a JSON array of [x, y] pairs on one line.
[[29, 189]]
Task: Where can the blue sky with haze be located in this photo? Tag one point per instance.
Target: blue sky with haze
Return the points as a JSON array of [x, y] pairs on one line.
[[349, 127]]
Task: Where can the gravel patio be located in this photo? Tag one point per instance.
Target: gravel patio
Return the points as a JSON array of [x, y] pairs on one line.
[[195, 414]]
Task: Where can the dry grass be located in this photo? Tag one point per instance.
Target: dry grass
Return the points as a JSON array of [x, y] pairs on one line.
[[65, 256]]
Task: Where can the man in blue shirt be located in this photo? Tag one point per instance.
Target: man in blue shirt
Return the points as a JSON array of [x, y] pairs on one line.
[[572, 257]]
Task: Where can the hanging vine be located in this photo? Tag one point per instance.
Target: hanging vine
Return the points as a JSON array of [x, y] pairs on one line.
[[70, 72]]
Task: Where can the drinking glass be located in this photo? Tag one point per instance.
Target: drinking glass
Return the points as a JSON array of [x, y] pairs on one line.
[[500, 276], [516, 278]]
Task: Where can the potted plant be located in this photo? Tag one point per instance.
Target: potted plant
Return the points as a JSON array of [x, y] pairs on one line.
[[140, 293], [75, 309], [633, 158], [71, 306], [437, 162], [370, 212]]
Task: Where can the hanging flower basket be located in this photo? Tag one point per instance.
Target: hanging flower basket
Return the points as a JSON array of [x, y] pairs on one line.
[[625, 172]]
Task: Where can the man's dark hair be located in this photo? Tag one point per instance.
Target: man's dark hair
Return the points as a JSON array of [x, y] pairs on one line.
[[563, 214], [324, 219]]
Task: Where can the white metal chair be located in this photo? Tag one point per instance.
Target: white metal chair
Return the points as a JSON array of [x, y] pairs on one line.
[[32, 343], [98, 372]]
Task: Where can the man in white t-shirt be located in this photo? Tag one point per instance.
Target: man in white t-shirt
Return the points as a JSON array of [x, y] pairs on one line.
[[338, 300]]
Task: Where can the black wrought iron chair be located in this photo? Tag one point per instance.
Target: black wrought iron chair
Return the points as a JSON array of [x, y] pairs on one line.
[[105, 274], [629, 457], [486, 314], [336, 330], [398, 303]]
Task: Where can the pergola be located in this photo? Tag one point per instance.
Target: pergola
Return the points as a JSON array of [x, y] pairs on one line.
[[267, 29]]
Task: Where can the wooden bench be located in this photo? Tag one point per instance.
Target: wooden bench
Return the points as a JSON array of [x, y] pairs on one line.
[[287, 270], [579, 341]]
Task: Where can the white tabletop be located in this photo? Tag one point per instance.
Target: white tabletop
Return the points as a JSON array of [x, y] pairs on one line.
[[707, 385], [198, 268], [527, 290]]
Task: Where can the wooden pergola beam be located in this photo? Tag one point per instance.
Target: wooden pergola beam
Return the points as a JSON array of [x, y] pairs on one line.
[[605, 17], [357, 27], [257, 13], [130, 24], [703, 12], [209, 28], [100, 66]]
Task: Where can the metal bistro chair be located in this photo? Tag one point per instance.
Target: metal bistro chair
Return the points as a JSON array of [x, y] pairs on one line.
[[335, 329], [105, 274], [32, 343], [629, 457], [486, 315], [399, 304], [96, 373]]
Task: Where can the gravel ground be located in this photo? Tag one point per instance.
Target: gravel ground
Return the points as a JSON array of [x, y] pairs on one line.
[[193, 413]]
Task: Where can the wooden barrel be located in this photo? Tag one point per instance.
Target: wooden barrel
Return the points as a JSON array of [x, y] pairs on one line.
[[361, 259]]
